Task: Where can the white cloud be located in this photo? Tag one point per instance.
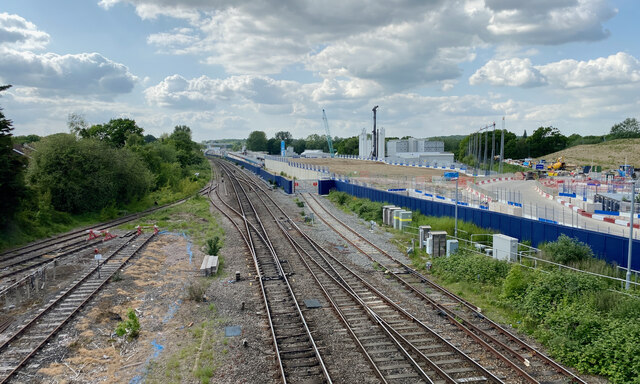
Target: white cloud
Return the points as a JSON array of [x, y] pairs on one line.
[[18, 33], [84, 73], [203, 92], [620, 68], [548, 22], [400, 44], [513, 72]]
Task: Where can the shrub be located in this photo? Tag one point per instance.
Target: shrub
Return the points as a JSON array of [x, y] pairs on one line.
[[213, 246], [567, 250], [129, 327], [462, 266], [196, 291], [516, 282]]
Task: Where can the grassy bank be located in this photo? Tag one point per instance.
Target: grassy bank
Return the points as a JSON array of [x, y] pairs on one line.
[[29, 226], [577, 317]]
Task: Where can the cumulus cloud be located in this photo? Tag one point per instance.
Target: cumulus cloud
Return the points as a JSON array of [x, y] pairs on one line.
[[399, 44], [512, 72], [85, 73], [16, 32], [548, 22], [52, 73], [204, 92], [620, 68]]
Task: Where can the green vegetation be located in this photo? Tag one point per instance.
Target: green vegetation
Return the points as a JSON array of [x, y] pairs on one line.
[[197, 356], [95, 174], [129, 327], [543, 141], [366, 209], [213, 246], [578, 317]]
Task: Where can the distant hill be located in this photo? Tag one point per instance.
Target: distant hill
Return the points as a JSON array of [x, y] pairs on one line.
[[609, 154]]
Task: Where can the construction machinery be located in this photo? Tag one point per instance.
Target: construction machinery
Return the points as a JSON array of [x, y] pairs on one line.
[[326, 128], [558, 165]]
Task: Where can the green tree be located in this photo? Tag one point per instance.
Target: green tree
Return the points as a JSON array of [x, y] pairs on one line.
[[284, 135], [86, 175], [299, 145], [11, 170], [149, 139], [77, 124], [348, 146], [273, 146], [629, 128], [114, 132], [257, 141], [545, 140]]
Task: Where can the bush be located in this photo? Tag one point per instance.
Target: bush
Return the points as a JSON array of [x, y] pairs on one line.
[[213, 246], [339, 198], [516, 282], [567, 250], [463, 266], [196, 291], [129, 327]]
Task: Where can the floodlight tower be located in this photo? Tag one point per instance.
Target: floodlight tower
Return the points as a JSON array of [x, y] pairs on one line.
[[375, 134]]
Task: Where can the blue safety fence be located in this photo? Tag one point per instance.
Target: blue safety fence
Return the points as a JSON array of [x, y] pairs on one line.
[[608, 213], [610, 247], [280, 181], [567, 194]]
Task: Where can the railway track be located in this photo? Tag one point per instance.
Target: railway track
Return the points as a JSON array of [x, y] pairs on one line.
[[400, 348], [297, 354], [515, 360], [534, 367], [17, 263], [17, 349], [70, 240]]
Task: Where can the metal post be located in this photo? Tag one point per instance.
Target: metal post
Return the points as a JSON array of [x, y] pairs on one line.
[[456, 210], [633, 199], [486, 146], [493, 146], [502, 146]]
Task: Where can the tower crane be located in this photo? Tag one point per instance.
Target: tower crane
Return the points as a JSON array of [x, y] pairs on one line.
[[326, 128]]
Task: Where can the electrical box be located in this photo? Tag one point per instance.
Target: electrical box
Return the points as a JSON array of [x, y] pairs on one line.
[[424, 234], [429, 245], [439, 243], [385, 209], [391, 214], [505, 248], [452, 247], [404, 218]]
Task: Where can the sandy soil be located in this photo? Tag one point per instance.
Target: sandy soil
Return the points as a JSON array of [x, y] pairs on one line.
[[609, 154]]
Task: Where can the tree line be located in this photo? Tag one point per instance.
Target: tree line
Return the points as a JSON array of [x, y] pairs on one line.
[[543, 141], [99, 169], [257, 141]]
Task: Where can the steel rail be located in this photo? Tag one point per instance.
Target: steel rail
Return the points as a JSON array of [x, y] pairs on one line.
[[50, 242], [560, 369], [75, 310], [375, 316], [283, 276]]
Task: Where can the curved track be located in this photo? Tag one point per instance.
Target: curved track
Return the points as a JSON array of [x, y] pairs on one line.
[[532, 365], [21, 346], [297, 354]]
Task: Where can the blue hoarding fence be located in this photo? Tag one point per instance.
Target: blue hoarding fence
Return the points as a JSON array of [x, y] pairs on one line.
[[610, 247]]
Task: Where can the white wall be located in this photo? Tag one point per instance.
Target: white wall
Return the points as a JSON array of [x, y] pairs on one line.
[[299, 173]]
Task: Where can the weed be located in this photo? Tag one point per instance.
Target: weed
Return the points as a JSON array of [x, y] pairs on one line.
[[213, 246], [196, 291], [117, 276], [129, 327]]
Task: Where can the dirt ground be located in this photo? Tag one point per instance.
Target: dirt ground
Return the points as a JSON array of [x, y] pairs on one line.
[[609, 154], [181, 340], [381, 174]]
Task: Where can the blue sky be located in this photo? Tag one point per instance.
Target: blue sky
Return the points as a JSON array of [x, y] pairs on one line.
[[435, 67]]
